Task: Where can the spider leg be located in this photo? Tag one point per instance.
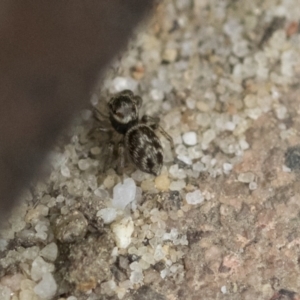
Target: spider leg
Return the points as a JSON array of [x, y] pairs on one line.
[[108, 152], [97, 114], [121, 158], [154, 124], [150, 121], [138, 100], [98, 129]]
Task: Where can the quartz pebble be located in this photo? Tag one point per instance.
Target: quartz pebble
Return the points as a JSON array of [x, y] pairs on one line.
[[208, 136], [176, 172], [190, 138], [123, 231], [84, 164], [124, 193], [40, 267], [194, 198], [108, 215], [47, 287], [157, 95], [227, 168], [252, 185], [281, 112], [224, 289], [246, 177], [123, 83], [50, 252], [65, 171], [13, 282], [5, 292], [108, 287], [177, 185]]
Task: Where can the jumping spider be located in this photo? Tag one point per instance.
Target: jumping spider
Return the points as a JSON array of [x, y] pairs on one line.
[[138, 140]]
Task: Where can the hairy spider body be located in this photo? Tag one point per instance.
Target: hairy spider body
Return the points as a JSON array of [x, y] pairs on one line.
[[144, 149], [139, 140]]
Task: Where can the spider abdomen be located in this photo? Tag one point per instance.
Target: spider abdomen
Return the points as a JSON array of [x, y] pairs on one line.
[[144, 149]]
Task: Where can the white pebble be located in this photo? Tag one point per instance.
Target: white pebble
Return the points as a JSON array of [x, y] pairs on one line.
[[47, 287], [198, 167], [177, 185], [39, 268], [194, 198], [243, 144], [246, 177], [108, 287], [252, 186], [138, 176], [190, 103], [208, 136], [240, 48], [176, 172], [103, 194], [135, 266], [187, 160], [124, 83], [136, 277], [83, 164], [253, 113], [203, 120], [50, 252], [60, 198], [190, 138], [227, 168], [164, 273], [123, 231], [230, 126], [65, 171], [41, 230], [286, 169], [195, 152], [157, 95], [124, 193], [159, 253], [94, 99], [224, 289], [5, 292], [108, 215], [281, 112]]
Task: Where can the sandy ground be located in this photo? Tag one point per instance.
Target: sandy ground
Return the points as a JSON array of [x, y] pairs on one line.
[[222, 219]]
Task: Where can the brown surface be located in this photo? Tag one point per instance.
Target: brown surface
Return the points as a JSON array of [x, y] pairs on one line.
[[51, 54]]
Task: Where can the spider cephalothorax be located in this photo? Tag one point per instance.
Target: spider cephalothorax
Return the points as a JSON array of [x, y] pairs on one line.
[[124, 111], [139, 141]]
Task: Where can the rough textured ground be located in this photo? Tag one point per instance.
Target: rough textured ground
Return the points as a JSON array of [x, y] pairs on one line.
[[222, 220]]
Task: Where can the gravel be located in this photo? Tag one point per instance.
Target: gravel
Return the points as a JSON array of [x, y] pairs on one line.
[[222, 76]]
